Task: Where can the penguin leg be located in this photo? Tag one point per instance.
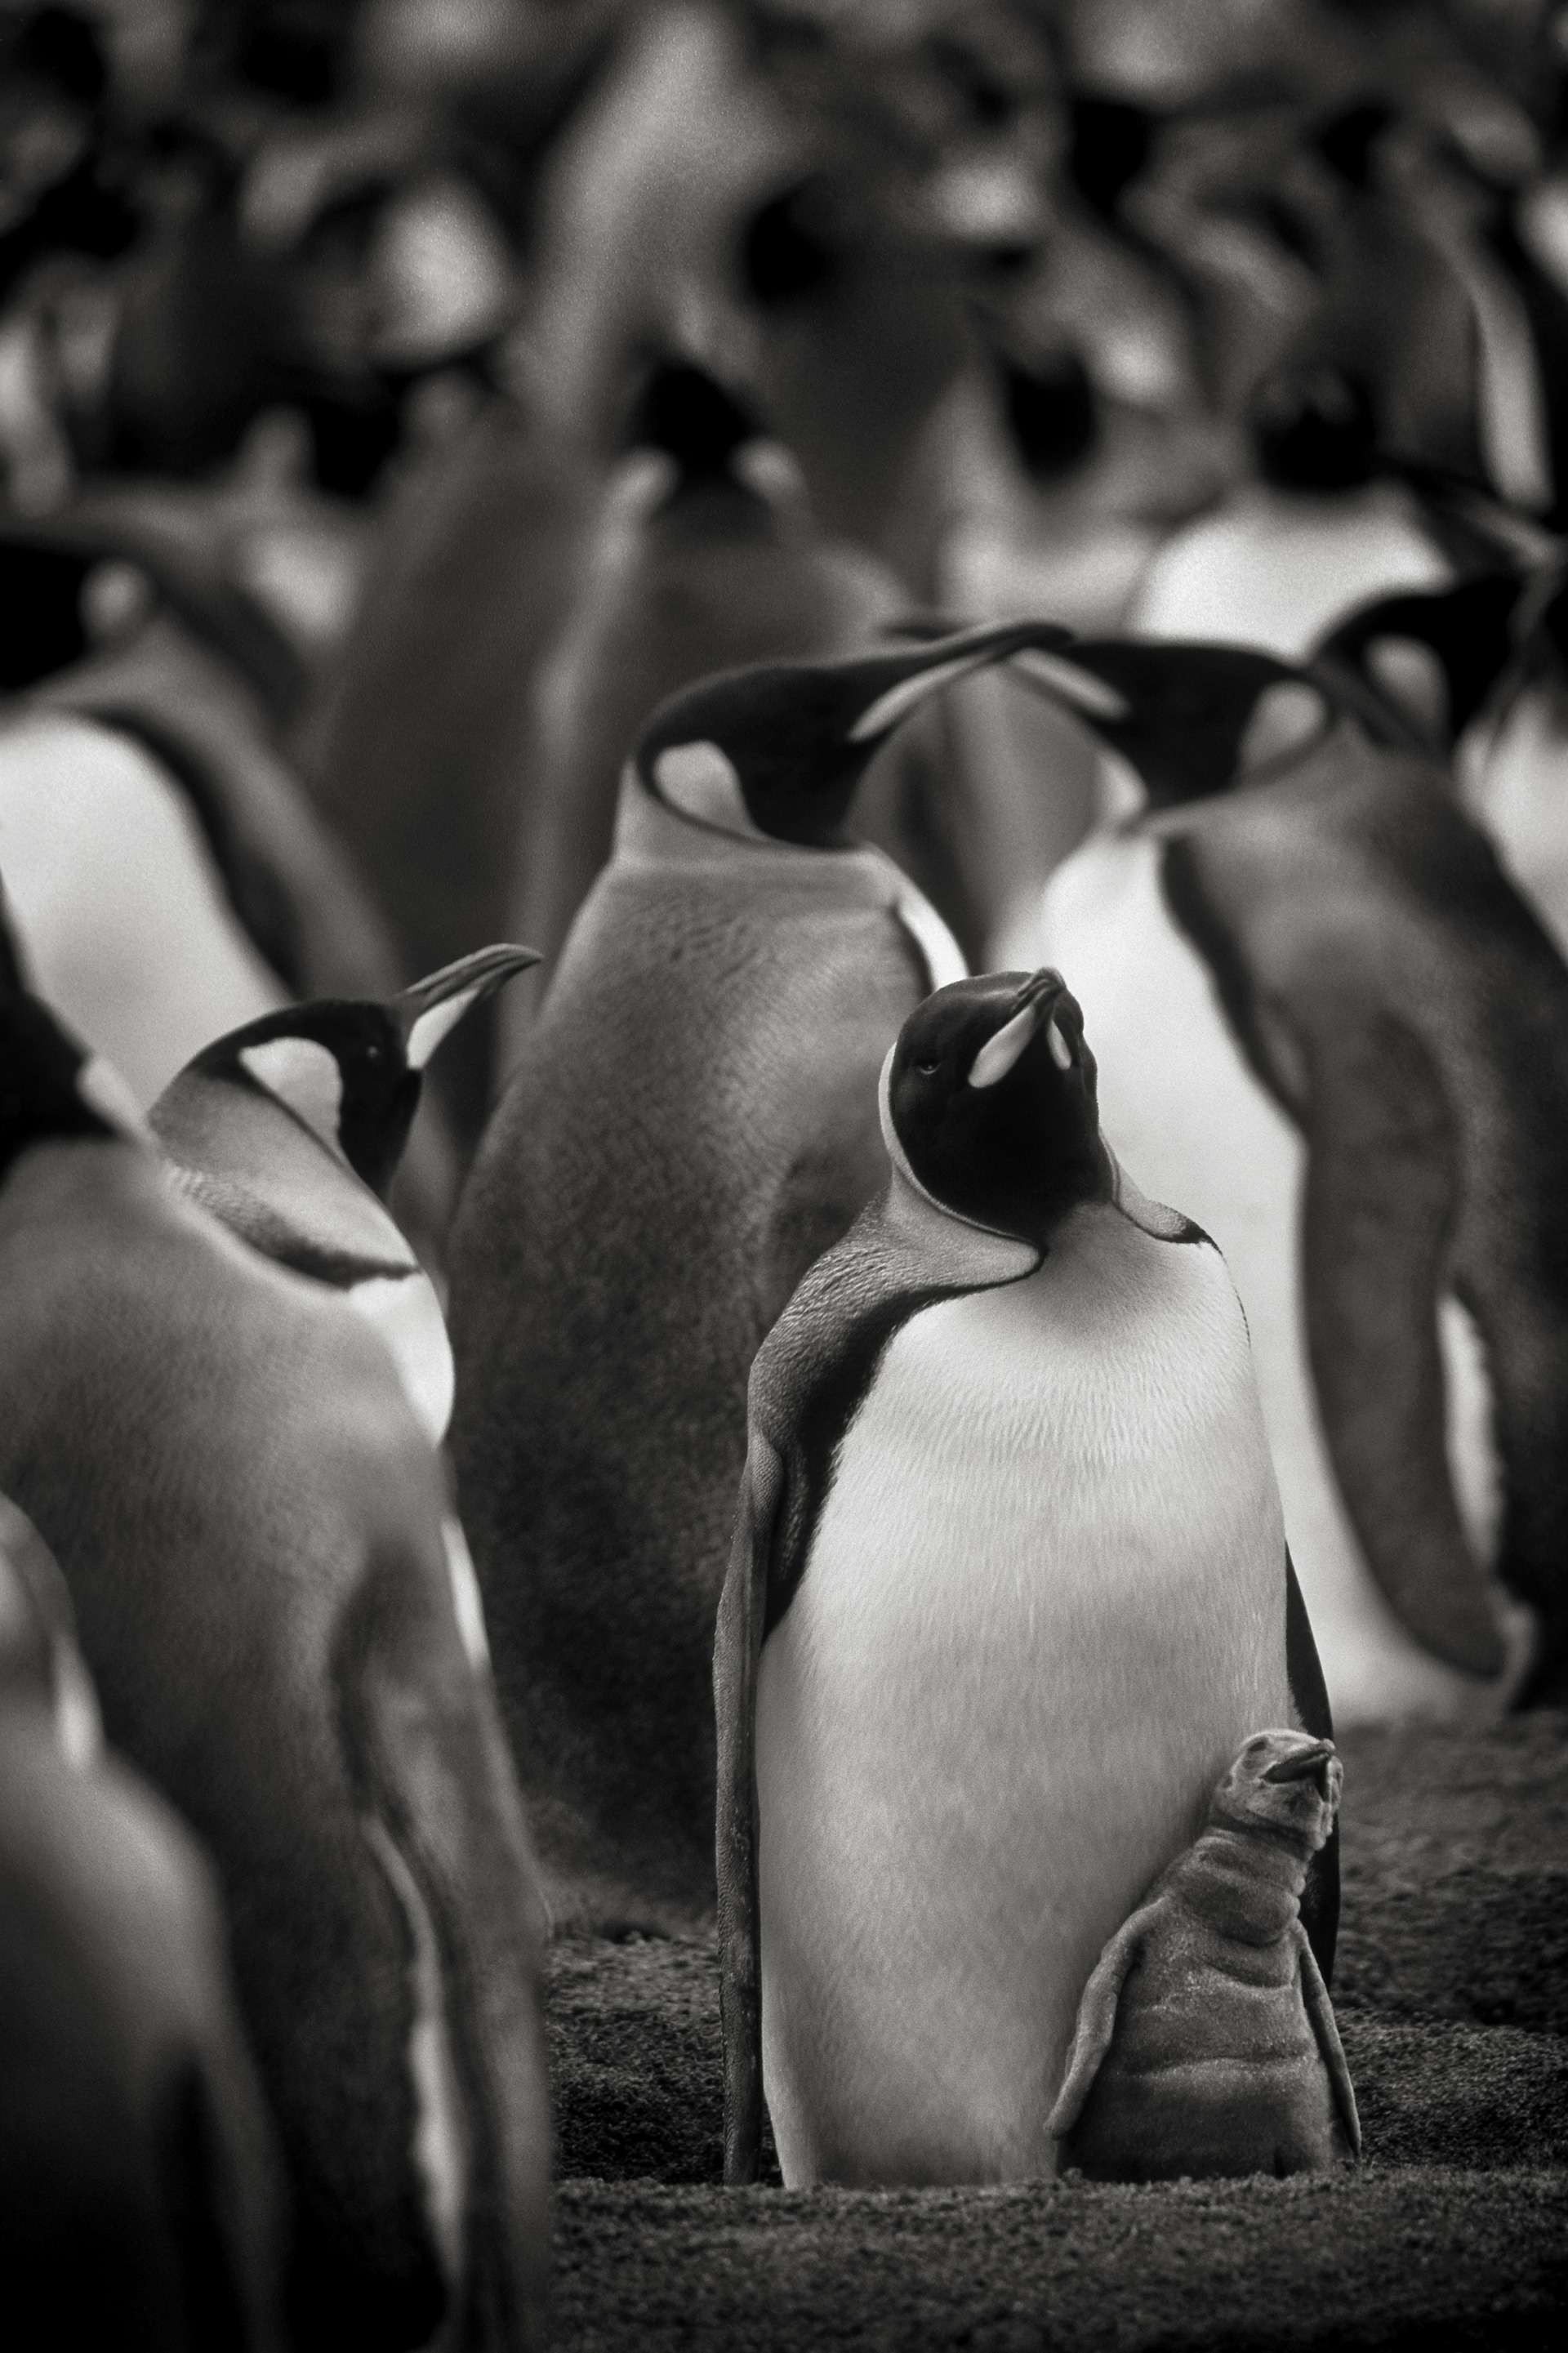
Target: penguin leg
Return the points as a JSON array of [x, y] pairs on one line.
[[1380, 1206], [1096, 2021], [1325, 2027], [737, 1648]]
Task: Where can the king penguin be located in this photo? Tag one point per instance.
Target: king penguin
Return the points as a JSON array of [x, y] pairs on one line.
[[692, 1119], [222, 1461], [139, 2185], [1340, 1036], [290, 1131], [1008, 1586], [705, 557]]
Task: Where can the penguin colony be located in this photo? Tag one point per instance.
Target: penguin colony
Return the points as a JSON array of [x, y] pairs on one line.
[[1009, 1265]]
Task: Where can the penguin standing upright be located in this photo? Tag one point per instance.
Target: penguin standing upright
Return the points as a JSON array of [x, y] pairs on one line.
[[689, 1123], [1336, 1032], [289, 1132], [1008, 1587], [138, 2174], [222, 1462]]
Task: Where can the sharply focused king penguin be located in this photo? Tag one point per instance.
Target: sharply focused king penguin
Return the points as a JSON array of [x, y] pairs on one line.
[[1008, 1586], [692, 1120], [290, 1131], [1335, 1032], [137, 2190], [222, 1462]]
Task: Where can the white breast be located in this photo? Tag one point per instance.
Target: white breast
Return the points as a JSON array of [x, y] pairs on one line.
[[119, 909], [1044, 1603], [1275, 571], [1179, 1105]]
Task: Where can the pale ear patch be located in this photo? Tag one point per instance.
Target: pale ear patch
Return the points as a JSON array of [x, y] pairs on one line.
[[999, 1054], [102, 1089], [701, 781], [304, 1074], [1411, 675], [79, 1727], [1285, 718], [1070, 685], [438, 1022]]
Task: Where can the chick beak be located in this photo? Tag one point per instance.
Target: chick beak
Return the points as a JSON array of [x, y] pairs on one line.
[[1302, 1764]]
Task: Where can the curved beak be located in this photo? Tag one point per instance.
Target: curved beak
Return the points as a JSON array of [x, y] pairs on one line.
[[895, 683], [432, 1007], [1302, 1764]]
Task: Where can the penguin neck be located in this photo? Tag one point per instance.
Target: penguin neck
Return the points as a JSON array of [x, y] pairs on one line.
[[1245, 1882]]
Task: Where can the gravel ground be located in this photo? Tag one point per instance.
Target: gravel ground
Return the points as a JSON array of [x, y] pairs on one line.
[[1452, 1992]]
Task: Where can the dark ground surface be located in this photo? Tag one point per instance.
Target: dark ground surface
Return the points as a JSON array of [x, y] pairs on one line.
[[1452, 1994]]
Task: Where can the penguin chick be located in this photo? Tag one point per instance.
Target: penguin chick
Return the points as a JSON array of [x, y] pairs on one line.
[[228, 1471], [1206, 2043], [138, 2179], [290, 1131]]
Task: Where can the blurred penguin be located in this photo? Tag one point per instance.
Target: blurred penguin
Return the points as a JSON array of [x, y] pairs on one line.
[[286, 1641], [139, 2184]]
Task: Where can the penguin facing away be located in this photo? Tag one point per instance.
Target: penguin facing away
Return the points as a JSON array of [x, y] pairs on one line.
[[222, 1462], [289, 1132], [138, 2177], [690, 1121], [1341, 1037], [1008, 1585], [1206, 2043]]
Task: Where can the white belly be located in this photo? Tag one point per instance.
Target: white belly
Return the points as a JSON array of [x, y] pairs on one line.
[[1196, 1130], [1043, 1605]]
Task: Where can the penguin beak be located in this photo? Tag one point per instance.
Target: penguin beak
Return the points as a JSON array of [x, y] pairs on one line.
[[1071, 684], [1302, 1764], [431, 1008], [896, 683]]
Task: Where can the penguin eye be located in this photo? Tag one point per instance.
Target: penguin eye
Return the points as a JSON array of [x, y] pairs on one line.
[[927, 1070]]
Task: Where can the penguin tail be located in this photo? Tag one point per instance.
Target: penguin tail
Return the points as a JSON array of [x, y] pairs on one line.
[[441, 1811]]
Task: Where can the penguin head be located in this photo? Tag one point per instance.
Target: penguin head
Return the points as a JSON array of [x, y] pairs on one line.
[[1052, 413], [1282, 1785], [989, 1104], [1434, 656], [352, 1071], [685, 413], [1312, 429], [1193, 718], [775, 753]]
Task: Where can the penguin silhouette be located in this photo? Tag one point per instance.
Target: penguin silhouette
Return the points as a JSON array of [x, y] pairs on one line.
[[1338, 1034], [691, 1120], [1206, 2043], [1008, 1585], [138, 2171], [289, 1132], [222, 1461], [706, 557]]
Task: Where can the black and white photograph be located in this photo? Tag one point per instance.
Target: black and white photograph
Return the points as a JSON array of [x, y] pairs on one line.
[[784, 1176]]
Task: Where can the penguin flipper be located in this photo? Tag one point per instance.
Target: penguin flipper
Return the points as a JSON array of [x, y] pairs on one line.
[[737, 1647], [1309, 1696], [1381, 1202], [1325, 2027], [1096, 2021]]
